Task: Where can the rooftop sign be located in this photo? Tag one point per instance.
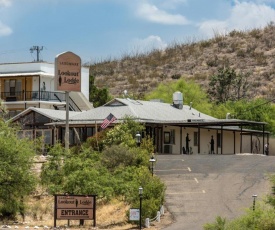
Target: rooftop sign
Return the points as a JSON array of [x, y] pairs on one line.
[[68, 72]]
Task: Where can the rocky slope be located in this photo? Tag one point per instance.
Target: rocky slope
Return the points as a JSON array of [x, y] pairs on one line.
[[250, 52]]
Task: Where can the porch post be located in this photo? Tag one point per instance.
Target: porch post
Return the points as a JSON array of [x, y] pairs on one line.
[[181, 140], [234, 135], [221, 139], [241, 141], [199, 140], [39, 98], [251, 146], [263, 138]]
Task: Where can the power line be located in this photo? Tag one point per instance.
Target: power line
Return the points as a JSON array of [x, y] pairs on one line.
[[255, 107]]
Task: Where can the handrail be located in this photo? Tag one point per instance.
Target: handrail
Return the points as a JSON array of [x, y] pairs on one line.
[[38, 96], [73, 105]]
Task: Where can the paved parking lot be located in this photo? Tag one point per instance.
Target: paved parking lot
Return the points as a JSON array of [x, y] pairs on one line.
[[201, 187]]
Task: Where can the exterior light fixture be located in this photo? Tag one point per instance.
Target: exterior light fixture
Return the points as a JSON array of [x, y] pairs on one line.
[[152, 160], [138, 138], [254, 201]]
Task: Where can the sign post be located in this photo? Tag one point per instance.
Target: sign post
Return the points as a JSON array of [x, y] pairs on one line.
[[67, 78]]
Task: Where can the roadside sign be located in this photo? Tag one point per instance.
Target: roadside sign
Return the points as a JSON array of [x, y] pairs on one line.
[[68, 72], [75, 207], [134, 214]]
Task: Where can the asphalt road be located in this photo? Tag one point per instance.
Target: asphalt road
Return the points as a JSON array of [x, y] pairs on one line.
[[201, 187]]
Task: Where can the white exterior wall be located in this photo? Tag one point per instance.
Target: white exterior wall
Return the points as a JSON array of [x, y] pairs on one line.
[[228, 142], [47, 77], [205, 137], [27, 67], [35, 83], [85, 82]]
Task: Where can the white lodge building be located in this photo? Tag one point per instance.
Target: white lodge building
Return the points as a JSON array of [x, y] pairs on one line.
[[24, 85], [40, 110], [167, 124]]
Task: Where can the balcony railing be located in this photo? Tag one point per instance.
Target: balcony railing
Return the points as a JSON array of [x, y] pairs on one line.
[[38, 96], [33, 96]]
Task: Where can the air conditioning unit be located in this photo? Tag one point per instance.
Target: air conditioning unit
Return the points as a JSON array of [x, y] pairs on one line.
[[167, 148]]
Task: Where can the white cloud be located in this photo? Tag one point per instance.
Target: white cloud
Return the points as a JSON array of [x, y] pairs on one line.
[[173, 4], [244, 16], [148, 44], [5, 3], [154, 14], [4, 30]]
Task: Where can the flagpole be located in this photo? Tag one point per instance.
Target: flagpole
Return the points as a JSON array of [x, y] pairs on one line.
[[96, 135]]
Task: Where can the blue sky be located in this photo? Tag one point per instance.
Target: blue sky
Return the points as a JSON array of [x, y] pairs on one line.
[[101, 29]]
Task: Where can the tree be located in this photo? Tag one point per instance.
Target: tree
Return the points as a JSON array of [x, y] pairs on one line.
[[227, 85], [192, 92], [259, 109], [98, 96], [115, 172], [17, 179], [262, 218]]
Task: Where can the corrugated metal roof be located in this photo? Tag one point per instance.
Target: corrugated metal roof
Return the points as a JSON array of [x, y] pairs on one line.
[[55, 115], [143, 110]]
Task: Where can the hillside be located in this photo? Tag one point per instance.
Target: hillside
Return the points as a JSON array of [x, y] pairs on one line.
[[250, 52]]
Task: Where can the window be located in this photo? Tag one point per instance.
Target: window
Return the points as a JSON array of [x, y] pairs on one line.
[[195, 138], [166, 137], [12, 87]]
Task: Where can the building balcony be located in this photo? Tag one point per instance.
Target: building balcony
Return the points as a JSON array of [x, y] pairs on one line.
[[33, 96], [18, 101]]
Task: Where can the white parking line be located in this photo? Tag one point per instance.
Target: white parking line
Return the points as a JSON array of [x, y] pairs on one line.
[[196, 180], [163, 170], [189, 169], [179, 193]]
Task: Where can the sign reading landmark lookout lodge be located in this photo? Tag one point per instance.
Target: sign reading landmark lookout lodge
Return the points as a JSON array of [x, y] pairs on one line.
[[75, 207], [68, 72]]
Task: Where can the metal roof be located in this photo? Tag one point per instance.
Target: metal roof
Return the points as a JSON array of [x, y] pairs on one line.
[[55, 115], [150, 112]]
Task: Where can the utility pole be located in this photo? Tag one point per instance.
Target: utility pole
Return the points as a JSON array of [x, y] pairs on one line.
[[37, 49]]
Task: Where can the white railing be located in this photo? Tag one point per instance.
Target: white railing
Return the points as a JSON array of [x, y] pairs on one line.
[[157, 218]]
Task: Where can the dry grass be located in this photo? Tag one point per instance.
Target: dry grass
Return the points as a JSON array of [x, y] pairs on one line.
[[242, 50], [108, 216]]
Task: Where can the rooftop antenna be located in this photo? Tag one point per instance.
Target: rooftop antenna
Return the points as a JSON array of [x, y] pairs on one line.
[[37, 49]]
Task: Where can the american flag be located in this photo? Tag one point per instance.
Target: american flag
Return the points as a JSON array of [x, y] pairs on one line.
[[108, 120]]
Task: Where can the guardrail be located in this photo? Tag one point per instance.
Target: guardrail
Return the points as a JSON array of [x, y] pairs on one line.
[[156, 218]]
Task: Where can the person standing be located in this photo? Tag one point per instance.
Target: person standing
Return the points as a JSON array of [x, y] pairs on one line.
[[187, 143], [266, 148], [212, 143]]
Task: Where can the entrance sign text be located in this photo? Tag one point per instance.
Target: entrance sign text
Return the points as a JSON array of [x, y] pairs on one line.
[[68, 72], [75, 207]]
